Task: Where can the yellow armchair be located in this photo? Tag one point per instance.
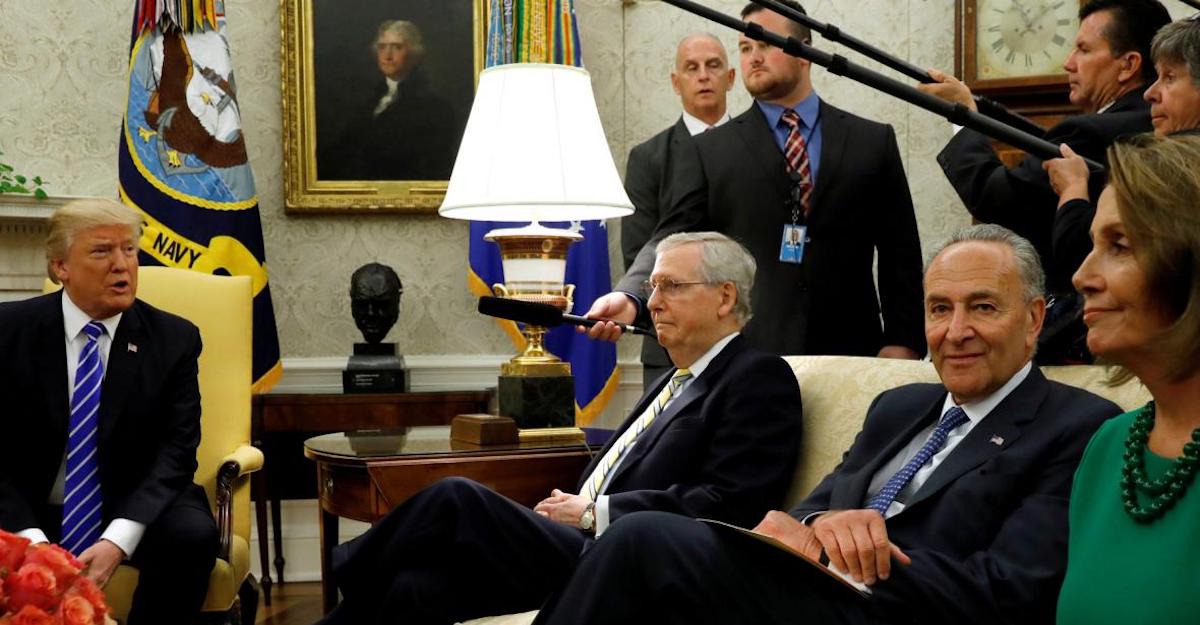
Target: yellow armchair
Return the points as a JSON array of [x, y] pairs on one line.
[[221, 307]]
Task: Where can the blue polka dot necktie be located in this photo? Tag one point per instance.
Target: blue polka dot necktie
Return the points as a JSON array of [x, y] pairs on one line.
[[884, 498], [81, 502]]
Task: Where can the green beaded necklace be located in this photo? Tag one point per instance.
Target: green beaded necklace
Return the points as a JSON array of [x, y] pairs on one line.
[[1165, 491]]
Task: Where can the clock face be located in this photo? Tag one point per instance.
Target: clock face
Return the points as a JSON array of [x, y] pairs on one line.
[[1018, 38]]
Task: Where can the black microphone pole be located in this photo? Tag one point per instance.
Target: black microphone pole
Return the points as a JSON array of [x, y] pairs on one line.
[[987, 106], [955, 113]]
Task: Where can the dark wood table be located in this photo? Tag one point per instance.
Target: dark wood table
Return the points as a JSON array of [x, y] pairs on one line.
[[281, 422], [363, 475]]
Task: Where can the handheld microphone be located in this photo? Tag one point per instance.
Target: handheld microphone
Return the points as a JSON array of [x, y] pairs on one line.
[[542, 314]]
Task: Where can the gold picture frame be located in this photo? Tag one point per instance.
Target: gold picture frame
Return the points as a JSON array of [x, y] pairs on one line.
[[326, 115]]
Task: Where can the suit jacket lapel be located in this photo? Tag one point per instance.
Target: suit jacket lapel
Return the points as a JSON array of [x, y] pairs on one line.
[[834, 133], [696, 389], [51, 362], [638, 408], [124, 363], [998, 430], [924, 413], [758, 139]]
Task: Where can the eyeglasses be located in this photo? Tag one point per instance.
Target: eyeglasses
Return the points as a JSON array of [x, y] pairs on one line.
[[666, 287]]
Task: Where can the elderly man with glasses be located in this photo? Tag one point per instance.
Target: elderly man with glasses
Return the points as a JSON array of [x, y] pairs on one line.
[[716, 437]]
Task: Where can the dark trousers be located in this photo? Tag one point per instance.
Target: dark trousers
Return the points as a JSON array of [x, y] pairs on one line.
[[655, 567], [174, 559], [453, 552]]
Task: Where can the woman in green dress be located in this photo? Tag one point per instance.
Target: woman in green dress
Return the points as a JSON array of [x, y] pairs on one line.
[[1134, 554]]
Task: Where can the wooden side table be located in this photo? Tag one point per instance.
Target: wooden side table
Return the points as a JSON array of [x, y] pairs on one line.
[[363, 476], [278, 418]]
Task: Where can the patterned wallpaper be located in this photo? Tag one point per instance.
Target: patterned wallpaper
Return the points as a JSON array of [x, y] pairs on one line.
[[62, 85]]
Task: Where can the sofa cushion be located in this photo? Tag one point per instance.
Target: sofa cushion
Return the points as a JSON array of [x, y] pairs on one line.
[[836, 392]]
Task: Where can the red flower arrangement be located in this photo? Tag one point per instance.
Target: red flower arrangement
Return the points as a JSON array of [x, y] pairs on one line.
[[41, 585]]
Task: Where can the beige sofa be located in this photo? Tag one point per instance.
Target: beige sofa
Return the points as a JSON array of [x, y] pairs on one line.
[[837, 390]]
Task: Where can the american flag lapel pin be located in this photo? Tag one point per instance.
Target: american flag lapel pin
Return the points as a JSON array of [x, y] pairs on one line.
[[131, 348], [997, 440]]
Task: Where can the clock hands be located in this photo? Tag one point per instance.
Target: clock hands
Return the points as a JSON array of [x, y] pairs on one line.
[[1029, 27]]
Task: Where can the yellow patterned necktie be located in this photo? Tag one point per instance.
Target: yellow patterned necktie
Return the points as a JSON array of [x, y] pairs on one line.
[[596, 479]]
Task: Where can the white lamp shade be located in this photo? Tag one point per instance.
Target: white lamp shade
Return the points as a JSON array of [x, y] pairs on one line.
[[534, 150]]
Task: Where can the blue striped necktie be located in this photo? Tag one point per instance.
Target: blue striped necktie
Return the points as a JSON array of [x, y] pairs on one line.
[[592, 487], [953, 418], [81, 503]]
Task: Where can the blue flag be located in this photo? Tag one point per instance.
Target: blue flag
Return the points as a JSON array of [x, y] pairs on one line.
[[513, 37], [182, 159]]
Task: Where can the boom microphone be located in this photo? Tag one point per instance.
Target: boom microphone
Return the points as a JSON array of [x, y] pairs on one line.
[[542, 314]]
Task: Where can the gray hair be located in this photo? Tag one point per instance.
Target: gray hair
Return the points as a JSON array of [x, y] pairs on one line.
[[84, 214], [407, 31], [721, 260], [1179, 43], [1029, 266]]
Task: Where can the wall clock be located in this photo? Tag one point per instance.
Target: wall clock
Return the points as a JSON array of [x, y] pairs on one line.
[[1015, 46]]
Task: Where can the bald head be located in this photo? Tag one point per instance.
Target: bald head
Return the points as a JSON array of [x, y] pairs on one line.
[[702, 77]]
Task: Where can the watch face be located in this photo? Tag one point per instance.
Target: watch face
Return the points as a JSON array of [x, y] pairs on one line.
[[1018, 38]]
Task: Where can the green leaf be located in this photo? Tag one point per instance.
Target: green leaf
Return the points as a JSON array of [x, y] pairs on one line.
[[40, 194], [22, 179], [38, 181], [5, 167]]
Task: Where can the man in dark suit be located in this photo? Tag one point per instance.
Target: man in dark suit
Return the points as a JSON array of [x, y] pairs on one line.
[[102, 412], [1109, 70], [702, 78], [717, 437], [402, 130], [951, 505], [814, 192]]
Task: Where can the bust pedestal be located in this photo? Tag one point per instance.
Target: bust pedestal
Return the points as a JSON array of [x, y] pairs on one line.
[[375, 368]]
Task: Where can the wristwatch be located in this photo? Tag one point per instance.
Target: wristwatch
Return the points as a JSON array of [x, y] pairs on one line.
[[587, 520]]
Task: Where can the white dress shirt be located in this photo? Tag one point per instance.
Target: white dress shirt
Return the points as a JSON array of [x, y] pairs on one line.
[[976, 412], [695, 125], [124, 533], [696, 369]]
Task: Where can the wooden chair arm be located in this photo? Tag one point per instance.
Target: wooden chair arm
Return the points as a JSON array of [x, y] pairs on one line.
[[243, 461]]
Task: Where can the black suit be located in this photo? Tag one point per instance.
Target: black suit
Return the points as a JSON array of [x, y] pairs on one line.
[[646, 173], [734, 181], [1021, 199], [149, 429], [987, 533], [724, 448], [415, 138]]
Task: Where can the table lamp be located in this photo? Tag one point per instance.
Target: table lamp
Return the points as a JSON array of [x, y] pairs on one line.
[[534, 150]]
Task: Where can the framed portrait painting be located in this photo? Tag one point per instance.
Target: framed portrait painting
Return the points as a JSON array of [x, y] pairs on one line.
[[375, 98]]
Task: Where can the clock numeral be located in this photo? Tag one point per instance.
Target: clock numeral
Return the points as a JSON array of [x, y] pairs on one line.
[[1028, 61], [1058, 40], [994, 29], [998, 45], [1010, 57], [1064, 22]]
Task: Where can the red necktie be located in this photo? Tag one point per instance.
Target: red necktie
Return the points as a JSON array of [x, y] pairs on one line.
[[795, 152]]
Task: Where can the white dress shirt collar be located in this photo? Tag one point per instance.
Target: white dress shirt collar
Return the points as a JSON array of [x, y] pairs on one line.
[[702, 362], [74, 319], [695, 125], [977, 410]]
